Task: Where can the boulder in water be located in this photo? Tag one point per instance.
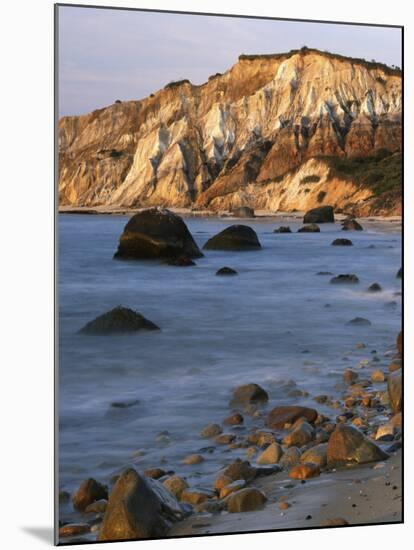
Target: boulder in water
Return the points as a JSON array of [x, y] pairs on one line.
[[341, 242], [118, 320], [322, 214], [311, 228], [248, 394], [235, 237], [279, 416], [156, 233], [225, 271], [345, 279], [89, 491], [282, 229], [395, 390]]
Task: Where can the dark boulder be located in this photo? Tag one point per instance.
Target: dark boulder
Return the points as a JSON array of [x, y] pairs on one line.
[[226, 271], [139, 508], [248, 394], [360, 322], [351, 225], [156, 233], [89, 491], [118, 320], [311, 228], [395, 390], [347, 445], [399, 273], [345, 279], [322, 214], [235, 237], [282, 229], [341, 242], [279, 416], [243, 212], [375, 287]]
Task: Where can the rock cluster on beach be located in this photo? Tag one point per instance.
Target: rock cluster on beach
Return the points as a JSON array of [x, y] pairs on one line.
[[293, 442]]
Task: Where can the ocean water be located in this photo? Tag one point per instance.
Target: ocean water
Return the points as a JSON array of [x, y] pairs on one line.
[[277, 324]]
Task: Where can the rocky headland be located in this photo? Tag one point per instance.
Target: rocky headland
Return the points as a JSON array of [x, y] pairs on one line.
[[280, 132]]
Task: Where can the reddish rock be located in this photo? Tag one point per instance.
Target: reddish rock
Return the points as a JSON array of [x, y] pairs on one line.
[[279, 416], [347, 445], [89, 491], [305, 471]]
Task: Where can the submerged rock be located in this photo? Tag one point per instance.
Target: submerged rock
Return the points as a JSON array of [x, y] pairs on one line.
[[181, 261], [243, 212], [322, 214], [348, 445], [345, 279], [311, 228], [375, 287], [211, 430], [279, 416], [118, 320], [359, 321], [249, 394], [235, 237], [351, 225], [246, 500], [138, 508], [89, 491], [282, 229], [399, 273], [234, 419], [156, 233], [342, 242], [226, 271]]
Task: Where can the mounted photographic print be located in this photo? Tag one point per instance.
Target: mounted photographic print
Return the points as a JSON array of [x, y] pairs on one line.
[[229, 274]]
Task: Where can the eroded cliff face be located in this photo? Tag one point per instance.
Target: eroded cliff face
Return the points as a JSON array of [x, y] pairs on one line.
[[260, 135]]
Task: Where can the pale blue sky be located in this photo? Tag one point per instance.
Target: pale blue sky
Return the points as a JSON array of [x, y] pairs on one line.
[[107, 54]]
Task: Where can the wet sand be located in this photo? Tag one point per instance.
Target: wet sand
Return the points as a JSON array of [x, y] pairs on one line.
[[361, 495]]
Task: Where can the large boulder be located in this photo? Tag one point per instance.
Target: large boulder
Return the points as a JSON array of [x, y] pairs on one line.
[[311, 228], [322, 214], [235, 237], [118, 320], [239, 469], [89, 491], [279, 416], [249, 394], [316, 455], [156, 233], [395, 390], [243, 212], [138, 508], [347, 445]]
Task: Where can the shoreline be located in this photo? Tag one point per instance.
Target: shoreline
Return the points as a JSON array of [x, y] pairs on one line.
[[188, 213], [365, 494]]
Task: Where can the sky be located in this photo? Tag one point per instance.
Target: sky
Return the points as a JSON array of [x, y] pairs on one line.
[[105, 54]]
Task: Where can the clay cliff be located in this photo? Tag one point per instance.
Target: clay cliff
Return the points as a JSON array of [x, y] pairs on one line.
[[278, 132]]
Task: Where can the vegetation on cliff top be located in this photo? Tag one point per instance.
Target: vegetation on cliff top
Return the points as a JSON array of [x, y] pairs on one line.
[[305, 50], [381, 172]]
